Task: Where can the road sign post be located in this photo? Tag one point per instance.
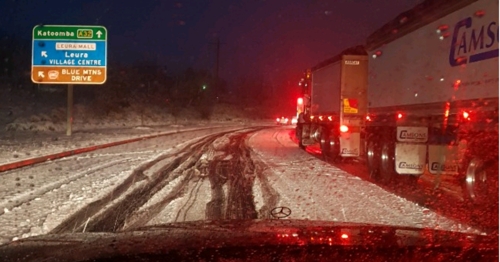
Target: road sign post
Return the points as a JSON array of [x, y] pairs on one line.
[[69, 120], [69, 54]]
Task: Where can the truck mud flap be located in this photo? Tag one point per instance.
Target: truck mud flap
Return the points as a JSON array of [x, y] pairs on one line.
[[304, 131], [444, 159], [350, 144], [410, 158]]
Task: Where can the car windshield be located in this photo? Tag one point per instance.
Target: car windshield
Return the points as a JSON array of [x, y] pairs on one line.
[[117, 116]]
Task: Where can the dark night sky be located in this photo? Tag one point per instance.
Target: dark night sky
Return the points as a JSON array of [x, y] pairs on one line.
[[270, 39]]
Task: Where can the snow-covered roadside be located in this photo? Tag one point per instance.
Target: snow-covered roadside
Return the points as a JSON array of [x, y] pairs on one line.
[[32, 133], [315, 190], [23, 145]]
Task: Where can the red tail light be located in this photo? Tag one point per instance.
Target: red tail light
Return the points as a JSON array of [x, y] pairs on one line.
[[400, 116], [344, 128], [300, 100]]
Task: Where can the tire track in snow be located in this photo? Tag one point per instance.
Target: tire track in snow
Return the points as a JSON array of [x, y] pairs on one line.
[[230, 165], [43, 213], [46, 212], [39, 192], [288, 191], [93, 218], [111, 213], [270, 196], [190, 201]]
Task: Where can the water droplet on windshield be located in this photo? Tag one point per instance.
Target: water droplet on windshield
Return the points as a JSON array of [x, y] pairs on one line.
[[480, 13]]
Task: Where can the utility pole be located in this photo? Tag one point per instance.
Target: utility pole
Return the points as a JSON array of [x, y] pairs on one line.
[[217, 64], [217, 54]]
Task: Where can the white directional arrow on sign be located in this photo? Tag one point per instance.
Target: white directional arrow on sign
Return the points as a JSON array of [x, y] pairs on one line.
[[99, 33], [44, 54], [40, 74]]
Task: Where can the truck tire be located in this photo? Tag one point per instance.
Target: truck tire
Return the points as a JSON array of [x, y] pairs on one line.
[[480, 171], [301, 146], [372, 158], [334, 145], [480, 185], [324, 143], [298, 134], [387, 162]]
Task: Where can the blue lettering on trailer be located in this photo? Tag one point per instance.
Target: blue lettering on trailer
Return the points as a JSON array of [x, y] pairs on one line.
[[472, 44]]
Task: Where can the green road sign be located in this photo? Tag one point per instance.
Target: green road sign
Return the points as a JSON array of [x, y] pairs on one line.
[[70, 32], [69, 54]]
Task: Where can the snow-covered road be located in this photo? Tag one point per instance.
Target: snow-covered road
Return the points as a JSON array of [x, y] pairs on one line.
[[253, 173], [34, 200], [317, 190]]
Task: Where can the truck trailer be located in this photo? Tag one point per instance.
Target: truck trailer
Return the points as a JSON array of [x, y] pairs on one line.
[[332, 109], [431, 97]]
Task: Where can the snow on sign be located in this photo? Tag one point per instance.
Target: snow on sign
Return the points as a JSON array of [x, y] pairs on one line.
[[69, 54]]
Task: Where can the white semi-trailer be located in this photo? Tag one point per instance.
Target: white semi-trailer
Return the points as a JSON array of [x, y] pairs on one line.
[[433, 95], [430, 101], [332, 109]]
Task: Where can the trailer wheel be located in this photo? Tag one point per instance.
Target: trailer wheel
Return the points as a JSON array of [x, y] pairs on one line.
[[387, 162], [301, 146], [324, 143], [480, 185], [334, 147], [298, 134], [372, 158]]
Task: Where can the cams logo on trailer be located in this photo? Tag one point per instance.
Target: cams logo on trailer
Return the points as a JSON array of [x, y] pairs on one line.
[[474, 39]]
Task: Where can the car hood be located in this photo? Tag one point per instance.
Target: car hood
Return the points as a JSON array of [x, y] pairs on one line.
[[234, 233]]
